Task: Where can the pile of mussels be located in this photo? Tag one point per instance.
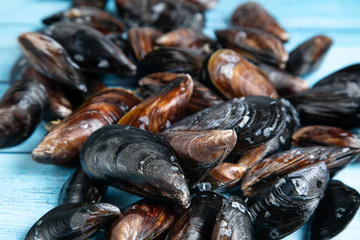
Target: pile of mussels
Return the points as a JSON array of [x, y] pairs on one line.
[[227, 141]]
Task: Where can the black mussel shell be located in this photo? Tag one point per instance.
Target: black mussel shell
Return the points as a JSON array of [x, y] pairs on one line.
[[233, 221], [256, 119], [136, 161], [278, 165], [348, 77], [73, 221], [79, 188], [287, 204], [162, 14], [19, 68], [335, 211], [90, 49], [329, 105], [308, 56], [197, 221], [171, 59], [90, 3]]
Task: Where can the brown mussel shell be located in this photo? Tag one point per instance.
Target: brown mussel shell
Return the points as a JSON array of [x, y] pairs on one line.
[[329, 105], [142, 40], [61, 146], [91, 3], [348, 77], [233, 76], [254, 44], [90, 49], [308, 56], [284, 82], [287, 204], [256, 119], [135, 161], [92, 16], [233, 221], [163, 108], [21, 108], [142, 220], [79, 188], [335, 211], [200, 151], [73, 221], [252, 14], [197, 221], [276, 166], [171, 59], [162, 14], [317, 135], [201, 98], [51, 59]]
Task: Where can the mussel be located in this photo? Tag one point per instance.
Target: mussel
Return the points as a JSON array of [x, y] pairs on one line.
[[73, 221], [256, 119], [200, 151], [90, 49], [144, 219], [90, 3], [162, 109], [61, 146], [92, 16], [252, 14], [51, 59], [287, 204], [335, 211], [308, 56], [233, 76], [22, 108], [318, 135], [254, 44], [197, 221], [136, 161], [79, 188], [233, 221], [276, 166], [347, 77], [205, 5]]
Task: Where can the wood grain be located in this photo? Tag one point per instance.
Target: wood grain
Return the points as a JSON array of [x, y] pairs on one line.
[[31, 189]]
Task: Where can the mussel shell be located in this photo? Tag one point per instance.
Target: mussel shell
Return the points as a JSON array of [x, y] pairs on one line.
[[284, 82], [21, 108], [51, 59], [252, 14], [335, 211], [90, 3], [200, 151], [90, 49], [79, 188], [142, 220], [329, 105], [276, 166], [287, 204], [308, 56], [162, 14], [73, 221], [255, 44], [317, 135], [62, 144], [163, 108], [19, 68], [136, 161], [92, 16], [205, 5], [142, 40], [233, 76], [233, 221], [348, 77], [201, 98], [197, 221], [170, 59], [256, 119]]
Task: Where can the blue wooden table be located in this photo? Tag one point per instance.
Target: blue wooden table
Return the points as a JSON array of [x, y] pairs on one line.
[[29, 189]]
